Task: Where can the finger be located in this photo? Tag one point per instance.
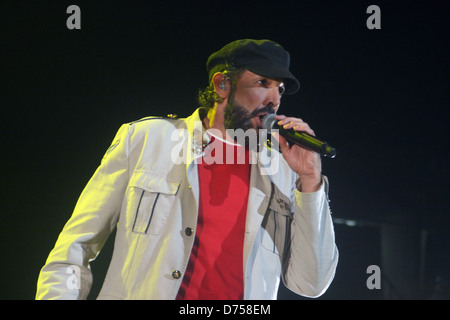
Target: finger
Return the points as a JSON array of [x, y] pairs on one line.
[[295, 123], [291, 124], [287, 120], [302, 128]]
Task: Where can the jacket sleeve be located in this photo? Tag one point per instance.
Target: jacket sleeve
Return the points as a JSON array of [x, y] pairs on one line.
[[313, 255], [66, 273]]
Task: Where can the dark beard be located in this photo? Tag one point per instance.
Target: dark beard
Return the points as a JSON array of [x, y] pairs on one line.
[[237, 117]]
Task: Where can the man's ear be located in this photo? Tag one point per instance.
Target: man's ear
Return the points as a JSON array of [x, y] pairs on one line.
[[221, 85]]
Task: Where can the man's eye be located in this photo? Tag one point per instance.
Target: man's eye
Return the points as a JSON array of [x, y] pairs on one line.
[[262, 82], [265, 84]]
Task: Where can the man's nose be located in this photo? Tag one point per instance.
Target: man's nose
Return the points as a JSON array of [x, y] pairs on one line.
[[273, 98]]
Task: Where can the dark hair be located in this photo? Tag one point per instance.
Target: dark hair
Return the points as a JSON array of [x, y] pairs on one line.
[[208, 96]]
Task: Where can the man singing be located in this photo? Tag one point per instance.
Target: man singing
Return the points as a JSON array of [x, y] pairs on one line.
[[201, 213]]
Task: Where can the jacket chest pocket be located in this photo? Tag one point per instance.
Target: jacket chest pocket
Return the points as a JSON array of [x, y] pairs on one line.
[[277, 225], [150, 200]]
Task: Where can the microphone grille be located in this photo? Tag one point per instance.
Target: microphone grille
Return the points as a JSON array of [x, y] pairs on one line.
[[268, 121]]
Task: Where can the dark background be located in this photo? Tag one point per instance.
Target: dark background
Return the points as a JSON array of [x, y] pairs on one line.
[[379, 96]]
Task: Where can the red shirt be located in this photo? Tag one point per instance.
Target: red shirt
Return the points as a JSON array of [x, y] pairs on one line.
[[215, 270]]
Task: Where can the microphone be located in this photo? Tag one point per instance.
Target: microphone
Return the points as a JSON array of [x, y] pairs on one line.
[[302, 139]]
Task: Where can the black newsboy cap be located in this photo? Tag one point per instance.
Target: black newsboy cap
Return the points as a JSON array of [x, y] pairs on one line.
[[263, 57]]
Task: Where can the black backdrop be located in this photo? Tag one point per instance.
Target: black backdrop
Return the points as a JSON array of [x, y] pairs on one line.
[[379, 96]]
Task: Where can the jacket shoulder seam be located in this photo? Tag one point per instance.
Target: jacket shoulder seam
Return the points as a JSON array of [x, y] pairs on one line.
[[145, 119]]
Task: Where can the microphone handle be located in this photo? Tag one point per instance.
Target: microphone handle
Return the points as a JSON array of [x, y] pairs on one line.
[[307, 141]]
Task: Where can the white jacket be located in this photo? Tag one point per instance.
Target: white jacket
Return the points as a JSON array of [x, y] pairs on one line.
[[153, 201]]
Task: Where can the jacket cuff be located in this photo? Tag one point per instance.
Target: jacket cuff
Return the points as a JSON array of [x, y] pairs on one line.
[[311, 200]]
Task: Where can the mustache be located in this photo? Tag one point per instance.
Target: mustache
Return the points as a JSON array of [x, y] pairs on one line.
[[268, 108], [236, 116]]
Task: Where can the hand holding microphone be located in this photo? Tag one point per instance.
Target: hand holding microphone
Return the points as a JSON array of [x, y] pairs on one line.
[[302, 139]]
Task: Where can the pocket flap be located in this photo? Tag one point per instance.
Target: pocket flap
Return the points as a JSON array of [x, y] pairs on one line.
[[153, 183], [280, 203]]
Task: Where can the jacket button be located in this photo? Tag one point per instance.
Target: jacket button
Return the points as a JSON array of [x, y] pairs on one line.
[[176, 274], [198, 150], [188, 231]]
